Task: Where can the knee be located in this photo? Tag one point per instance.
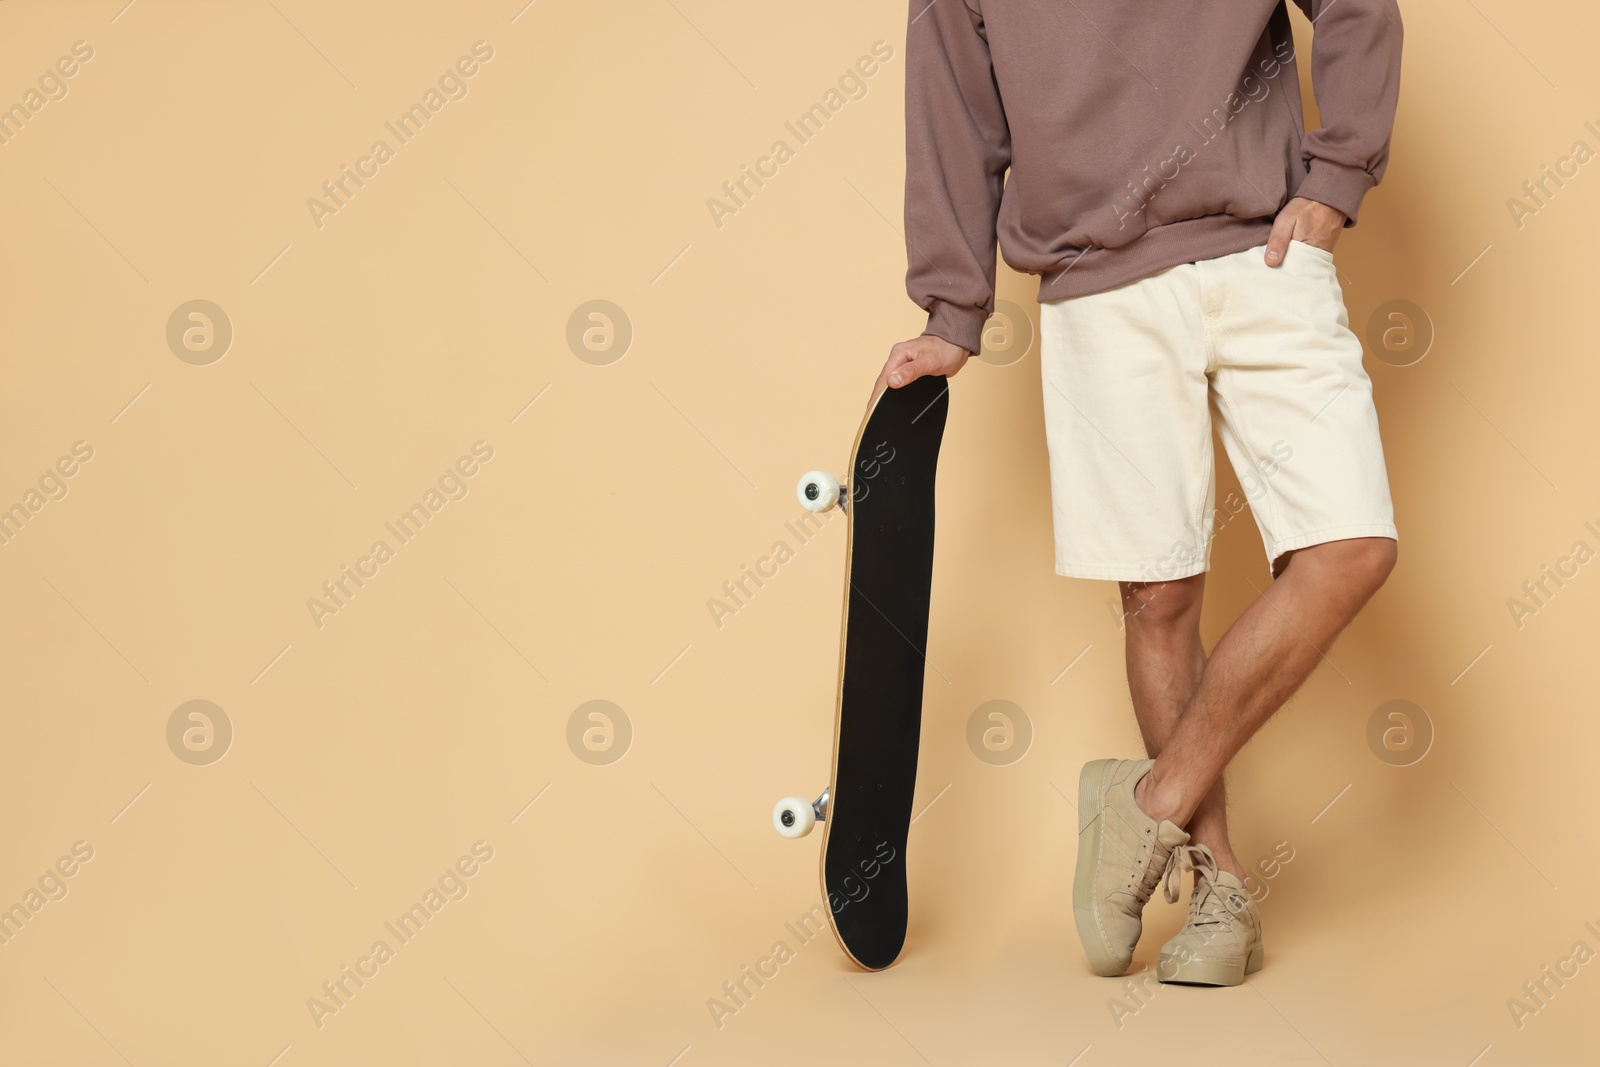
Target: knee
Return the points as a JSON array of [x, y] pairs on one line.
[[1363, 563], [1162, 606], [1374, 560]]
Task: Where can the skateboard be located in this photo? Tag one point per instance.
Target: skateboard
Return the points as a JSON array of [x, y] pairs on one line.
[[866, 808]]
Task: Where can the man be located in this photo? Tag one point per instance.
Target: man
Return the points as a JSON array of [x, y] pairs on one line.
[[1153, 150]]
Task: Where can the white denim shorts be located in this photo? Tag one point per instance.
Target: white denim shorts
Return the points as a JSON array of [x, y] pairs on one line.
[[1132, 376]]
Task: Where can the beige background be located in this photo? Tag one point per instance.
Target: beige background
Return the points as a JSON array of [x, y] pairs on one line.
[[425, 715]]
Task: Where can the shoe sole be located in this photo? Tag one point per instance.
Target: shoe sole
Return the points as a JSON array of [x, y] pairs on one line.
[[1207, 970], [1091, 783]]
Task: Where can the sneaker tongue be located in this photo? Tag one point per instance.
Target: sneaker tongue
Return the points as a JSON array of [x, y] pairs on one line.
[[1227, 879], [1169, 834]]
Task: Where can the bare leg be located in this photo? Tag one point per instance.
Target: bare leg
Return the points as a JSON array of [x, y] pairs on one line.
[[1263, 658], [1165, 664]]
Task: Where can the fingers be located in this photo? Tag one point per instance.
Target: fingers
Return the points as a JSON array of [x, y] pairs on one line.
[[893, 373], [908, 361], [1307, 220], [1278, 239], [906, 365], [920, 356]]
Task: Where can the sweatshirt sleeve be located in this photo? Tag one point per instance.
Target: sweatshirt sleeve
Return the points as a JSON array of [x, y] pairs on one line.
[[1355, 74], [958, 147]]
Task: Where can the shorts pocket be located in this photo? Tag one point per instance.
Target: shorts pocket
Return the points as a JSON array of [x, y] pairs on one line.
[[1315, 250]]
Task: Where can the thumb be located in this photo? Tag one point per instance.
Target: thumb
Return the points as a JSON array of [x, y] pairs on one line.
[[910, 369], [895, 372], [1278, 239]]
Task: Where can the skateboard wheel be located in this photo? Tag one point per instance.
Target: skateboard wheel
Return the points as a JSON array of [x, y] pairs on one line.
[[793, 817], [818, 491]]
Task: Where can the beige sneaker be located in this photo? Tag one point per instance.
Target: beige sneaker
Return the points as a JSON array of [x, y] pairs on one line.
[[1122, 854], [1221, 942]]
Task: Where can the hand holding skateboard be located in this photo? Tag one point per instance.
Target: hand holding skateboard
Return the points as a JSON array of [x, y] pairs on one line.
[[910, 360]]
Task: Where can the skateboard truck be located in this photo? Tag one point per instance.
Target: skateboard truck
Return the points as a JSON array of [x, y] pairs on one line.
[[821, 491], [817, 491], [795, 816]]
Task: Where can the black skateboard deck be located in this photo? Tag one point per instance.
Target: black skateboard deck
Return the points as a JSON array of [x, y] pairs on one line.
[[889, 574]]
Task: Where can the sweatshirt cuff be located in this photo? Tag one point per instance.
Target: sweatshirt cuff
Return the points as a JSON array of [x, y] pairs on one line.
[[1338, 186], [959, 325]]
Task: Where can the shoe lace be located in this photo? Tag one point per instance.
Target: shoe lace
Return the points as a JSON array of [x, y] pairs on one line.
[[1151, 874], [1212, 901], [1154, 873]]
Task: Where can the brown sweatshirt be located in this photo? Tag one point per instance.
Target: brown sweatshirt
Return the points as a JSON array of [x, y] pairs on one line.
[[1139, 135]]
